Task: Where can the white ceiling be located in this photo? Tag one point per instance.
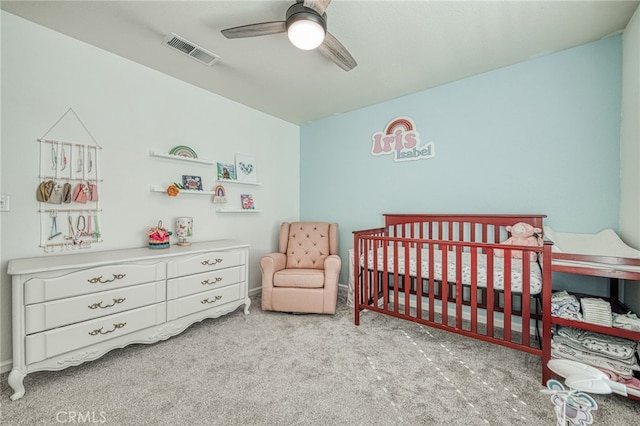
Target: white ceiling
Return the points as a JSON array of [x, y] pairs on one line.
[[401, 46]]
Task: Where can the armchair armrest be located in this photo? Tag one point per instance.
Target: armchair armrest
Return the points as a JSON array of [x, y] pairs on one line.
[[332, 265], [270, 264]]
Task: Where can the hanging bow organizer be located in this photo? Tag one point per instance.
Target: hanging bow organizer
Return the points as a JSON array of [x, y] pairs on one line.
[[69, 191]]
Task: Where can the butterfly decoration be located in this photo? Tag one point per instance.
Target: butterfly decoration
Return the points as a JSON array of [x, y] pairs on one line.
[[247, 169], [571, 406]]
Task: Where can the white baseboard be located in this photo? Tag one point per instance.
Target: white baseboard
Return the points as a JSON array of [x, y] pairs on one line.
[[6, 366]]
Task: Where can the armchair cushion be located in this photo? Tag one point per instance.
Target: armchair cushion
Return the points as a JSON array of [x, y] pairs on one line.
[[301, 278]]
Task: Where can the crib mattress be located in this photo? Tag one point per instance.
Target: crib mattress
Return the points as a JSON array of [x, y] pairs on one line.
[[535, 280]]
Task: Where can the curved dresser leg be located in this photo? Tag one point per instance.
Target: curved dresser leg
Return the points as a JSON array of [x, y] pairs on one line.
[[247, 303], [16, 378]]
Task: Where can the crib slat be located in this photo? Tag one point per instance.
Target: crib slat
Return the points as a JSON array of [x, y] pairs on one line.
[[396, 274], [474, 290], [526, 300], [508, 299], [375, 276], [458, 284], [431, 284], [444, 284], [490, 293], [385, 276], [419, 279], [407, 281]]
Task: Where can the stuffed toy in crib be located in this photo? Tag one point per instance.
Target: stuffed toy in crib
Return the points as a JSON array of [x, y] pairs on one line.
[[522, 234]]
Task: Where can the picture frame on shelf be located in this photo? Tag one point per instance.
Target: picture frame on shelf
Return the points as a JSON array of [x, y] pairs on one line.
[[192, 183], [219, 194], [246, 168], [226, 171], [246, 201]]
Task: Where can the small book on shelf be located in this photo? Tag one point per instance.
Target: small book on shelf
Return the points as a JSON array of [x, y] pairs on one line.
[[246, 201]]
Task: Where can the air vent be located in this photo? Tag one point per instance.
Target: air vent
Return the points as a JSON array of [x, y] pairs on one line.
[[190, 49]]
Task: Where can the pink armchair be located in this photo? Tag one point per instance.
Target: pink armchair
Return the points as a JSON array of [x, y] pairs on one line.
[[303, 275]]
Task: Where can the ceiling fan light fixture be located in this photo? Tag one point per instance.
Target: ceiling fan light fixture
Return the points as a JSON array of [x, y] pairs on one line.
[[306, 28], [306, 34]]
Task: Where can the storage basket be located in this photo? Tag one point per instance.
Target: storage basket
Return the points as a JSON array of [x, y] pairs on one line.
[[158, 237]]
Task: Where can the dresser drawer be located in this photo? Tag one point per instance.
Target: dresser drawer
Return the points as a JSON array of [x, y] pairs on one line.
[[50, 343], [191, 284], [43, 316], [203, 262], [202, 301], [92, 280]]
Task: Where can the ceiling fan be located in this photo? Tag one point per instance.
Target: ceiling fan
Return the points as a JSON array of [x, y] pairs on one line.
[[306, 26]]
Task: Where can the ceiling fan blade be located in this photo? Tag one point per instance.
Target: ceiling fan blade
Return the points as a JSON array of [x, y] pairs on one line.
[[318, 5], [255, 30], [334, 50]]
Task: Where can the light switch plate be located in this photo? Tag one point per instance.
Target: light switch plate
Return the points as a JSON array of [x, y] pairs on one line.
[[5, 203]]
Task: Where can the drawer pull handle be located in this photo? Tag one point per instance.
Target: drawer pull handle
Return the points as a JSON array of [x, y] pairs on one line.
[[206, 301], [115, 302], [210, 263], [215, 280], [101, 281], [99, 330]]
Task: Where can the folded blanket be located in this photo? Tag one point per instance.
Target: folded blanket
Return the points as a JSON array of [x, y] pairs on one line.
[[610, 346], [596, 311], [559, 350], [565, 305], [628, 321]]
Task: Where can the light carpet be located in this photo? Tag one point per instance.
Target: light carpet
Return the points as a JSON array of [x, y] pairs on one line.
[[270, 368]]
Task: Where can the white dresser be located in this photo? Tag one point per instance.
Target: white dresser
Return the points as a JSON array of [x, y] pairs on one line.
[[75, 308]]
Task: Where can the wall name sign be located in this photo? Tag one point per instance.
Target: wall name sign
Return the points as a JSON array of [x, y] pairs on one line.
[[401, 140]]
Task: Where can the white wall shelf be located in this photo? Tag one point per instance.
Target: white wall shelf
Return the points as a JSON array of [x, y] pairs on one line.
[[181, 158], [182, 191], [223, 210], [239, 182]]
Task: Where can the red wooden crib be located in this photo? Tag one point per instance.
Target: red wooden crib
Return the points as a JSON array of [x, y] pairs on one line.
[[442, 270]]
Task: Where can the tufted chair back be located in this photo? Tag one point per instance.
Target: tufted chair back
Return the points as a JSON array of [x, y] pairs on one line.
[[307, 244]]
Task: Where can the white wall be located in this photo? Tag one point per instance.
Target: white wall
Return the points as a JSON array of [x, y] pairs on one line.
[[130, 109], [630, 147]]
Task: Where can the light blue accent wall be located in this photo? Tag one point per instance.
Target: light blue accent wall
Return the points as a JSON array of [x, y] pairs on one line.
[[541, 136]]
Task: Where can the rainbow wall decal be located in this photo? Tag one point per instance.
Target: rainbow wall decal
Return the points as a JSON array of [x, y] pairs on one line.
[[400, 123], [401, 139]]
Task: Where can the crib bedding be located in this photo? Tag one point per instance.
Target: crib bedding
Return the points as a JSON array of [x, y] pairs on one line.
[[535, 279]]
